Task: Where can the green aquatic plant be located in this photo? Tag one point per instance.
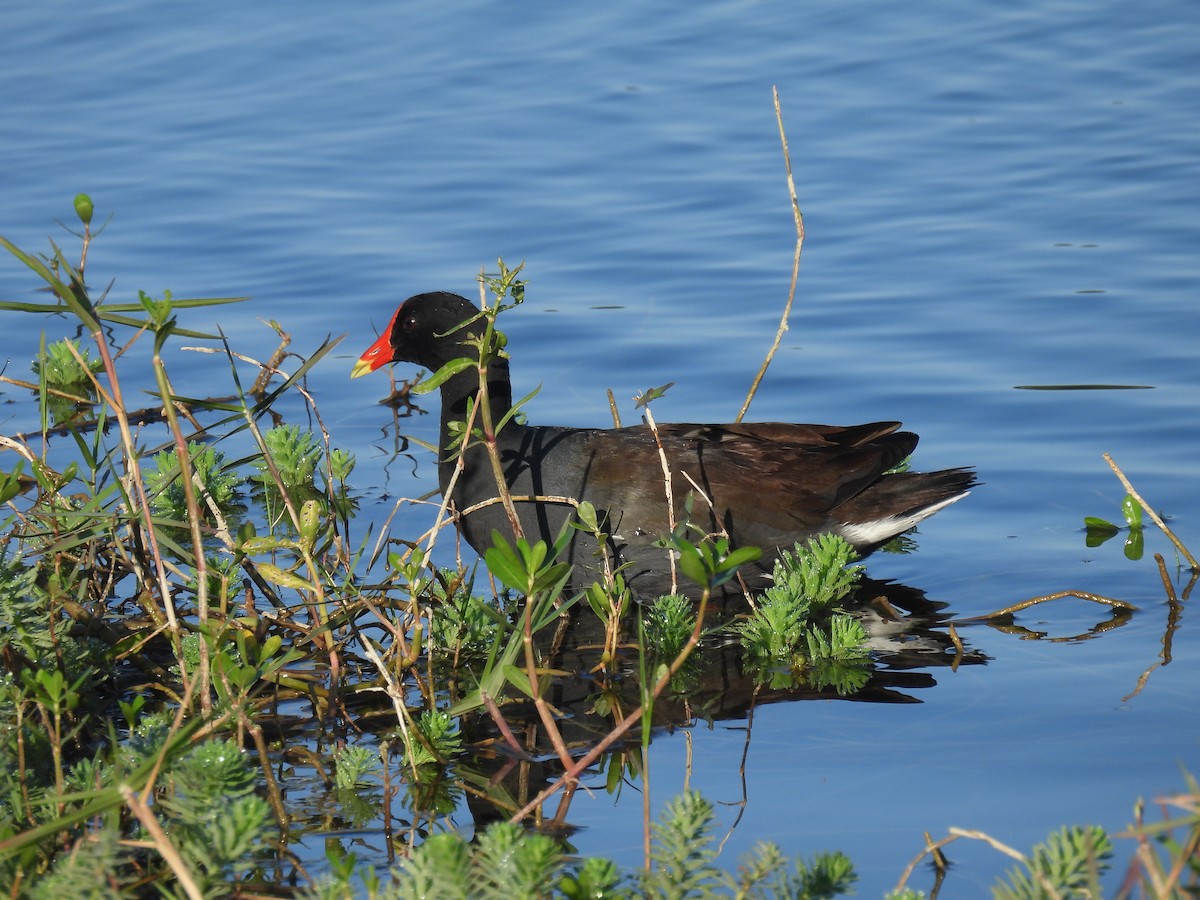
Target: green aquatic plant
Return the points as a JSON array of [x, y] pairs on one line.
[[793, 634], [1100, 530], [355, 767], [66, 373], [806, 584], [68, 367], [218, 483], [1070, 861], [667, 624], [507, 861], [437, 741]]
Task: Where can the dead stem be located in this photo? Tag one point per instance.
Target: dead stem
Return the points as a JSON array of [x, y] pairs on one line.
[[934, 849], [787, 308], [162, 843], [667, 489], [1058, 595], [612, 405], [166, 391]]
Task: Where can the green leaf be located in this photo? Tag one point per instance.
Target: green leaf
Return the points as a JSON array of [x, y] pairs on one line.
[[444, 374], [740, 557], [278, 576], [10, 482], [691, 564], [652, 394], [516, 408], [519, 679], [552, 579], [503, 562], [587, 516], [265, 545], [1132, 511], [1098, 531]]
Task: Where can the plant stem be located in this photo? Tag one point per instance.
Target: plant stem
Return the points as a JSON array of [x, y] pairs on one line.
[[787, 309]]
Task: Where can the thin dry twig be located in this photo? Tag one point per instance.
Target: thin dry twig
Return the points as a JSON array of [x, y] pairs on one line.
[[799, 218], [934, 849], [667, 489], [1057, 595], [612, 406], [162, 843]]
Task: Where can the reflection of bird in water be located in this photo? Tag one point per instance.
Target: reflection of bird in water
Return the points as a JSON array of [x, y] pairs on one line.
[[908, 638]]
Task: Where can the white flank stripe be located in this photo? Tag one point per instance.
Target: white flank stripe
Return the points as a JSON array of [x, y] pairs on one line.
[[879, 530]]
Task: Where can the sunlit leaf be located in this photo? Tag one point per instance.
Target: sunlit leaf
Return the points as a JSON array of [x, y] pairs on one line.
[[278, 576], [1132, 511], [444, 374]]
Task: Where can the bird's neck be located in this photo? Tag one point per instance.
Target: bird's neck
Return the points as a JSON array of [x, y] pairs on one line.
[[460, 392]]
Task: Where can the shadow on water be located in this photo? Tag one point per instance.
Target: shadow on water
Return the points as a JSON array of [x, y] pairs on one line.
[[507, 758]]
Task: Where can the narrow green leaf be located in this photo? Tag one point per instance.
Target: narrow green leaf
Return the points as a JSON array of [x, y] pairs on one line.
[[444, 374], [552, 579], [278, 576], [266, 545], [652, 394], [519, 679], [533, 554], [66, 293], [740, 557], [516, 408]]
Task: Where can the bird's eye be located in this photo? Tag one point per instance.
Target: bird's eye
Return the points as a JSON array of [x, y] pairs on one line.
[[409, 323]]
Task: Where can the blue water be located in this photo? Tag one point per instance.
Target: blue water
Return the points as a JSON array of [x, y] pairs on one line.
[[995, 195]]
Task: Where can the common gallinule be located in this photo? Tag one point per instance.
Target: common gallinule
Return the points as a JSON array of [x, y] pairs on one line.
[[771, 484]]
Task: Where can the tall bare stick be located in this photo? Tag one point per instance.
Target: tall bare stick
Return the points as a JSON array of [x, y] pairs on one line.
[[798, 216]]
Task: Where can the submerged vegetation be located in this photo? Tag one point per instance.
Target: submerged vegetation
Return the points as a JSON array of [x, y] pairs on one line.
[[202, 665]]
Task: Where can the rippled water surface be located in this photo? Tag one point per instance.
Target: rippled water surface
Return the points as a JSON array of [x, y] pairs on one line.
[[996, 196]]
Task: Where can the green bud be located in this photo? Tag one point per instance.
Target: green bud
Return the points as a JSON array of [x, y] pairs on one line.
[[310, 522], [83, 208]]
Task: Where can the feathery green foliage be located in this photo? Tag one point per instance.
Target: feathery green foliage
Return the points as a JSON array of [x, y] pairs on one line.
[[795, 626], [218, 482], [668, 622], [1070, 860]]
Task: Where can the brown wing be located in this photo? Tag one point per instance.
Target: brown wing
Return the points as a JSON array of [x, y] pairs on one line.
[[769, 483]]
